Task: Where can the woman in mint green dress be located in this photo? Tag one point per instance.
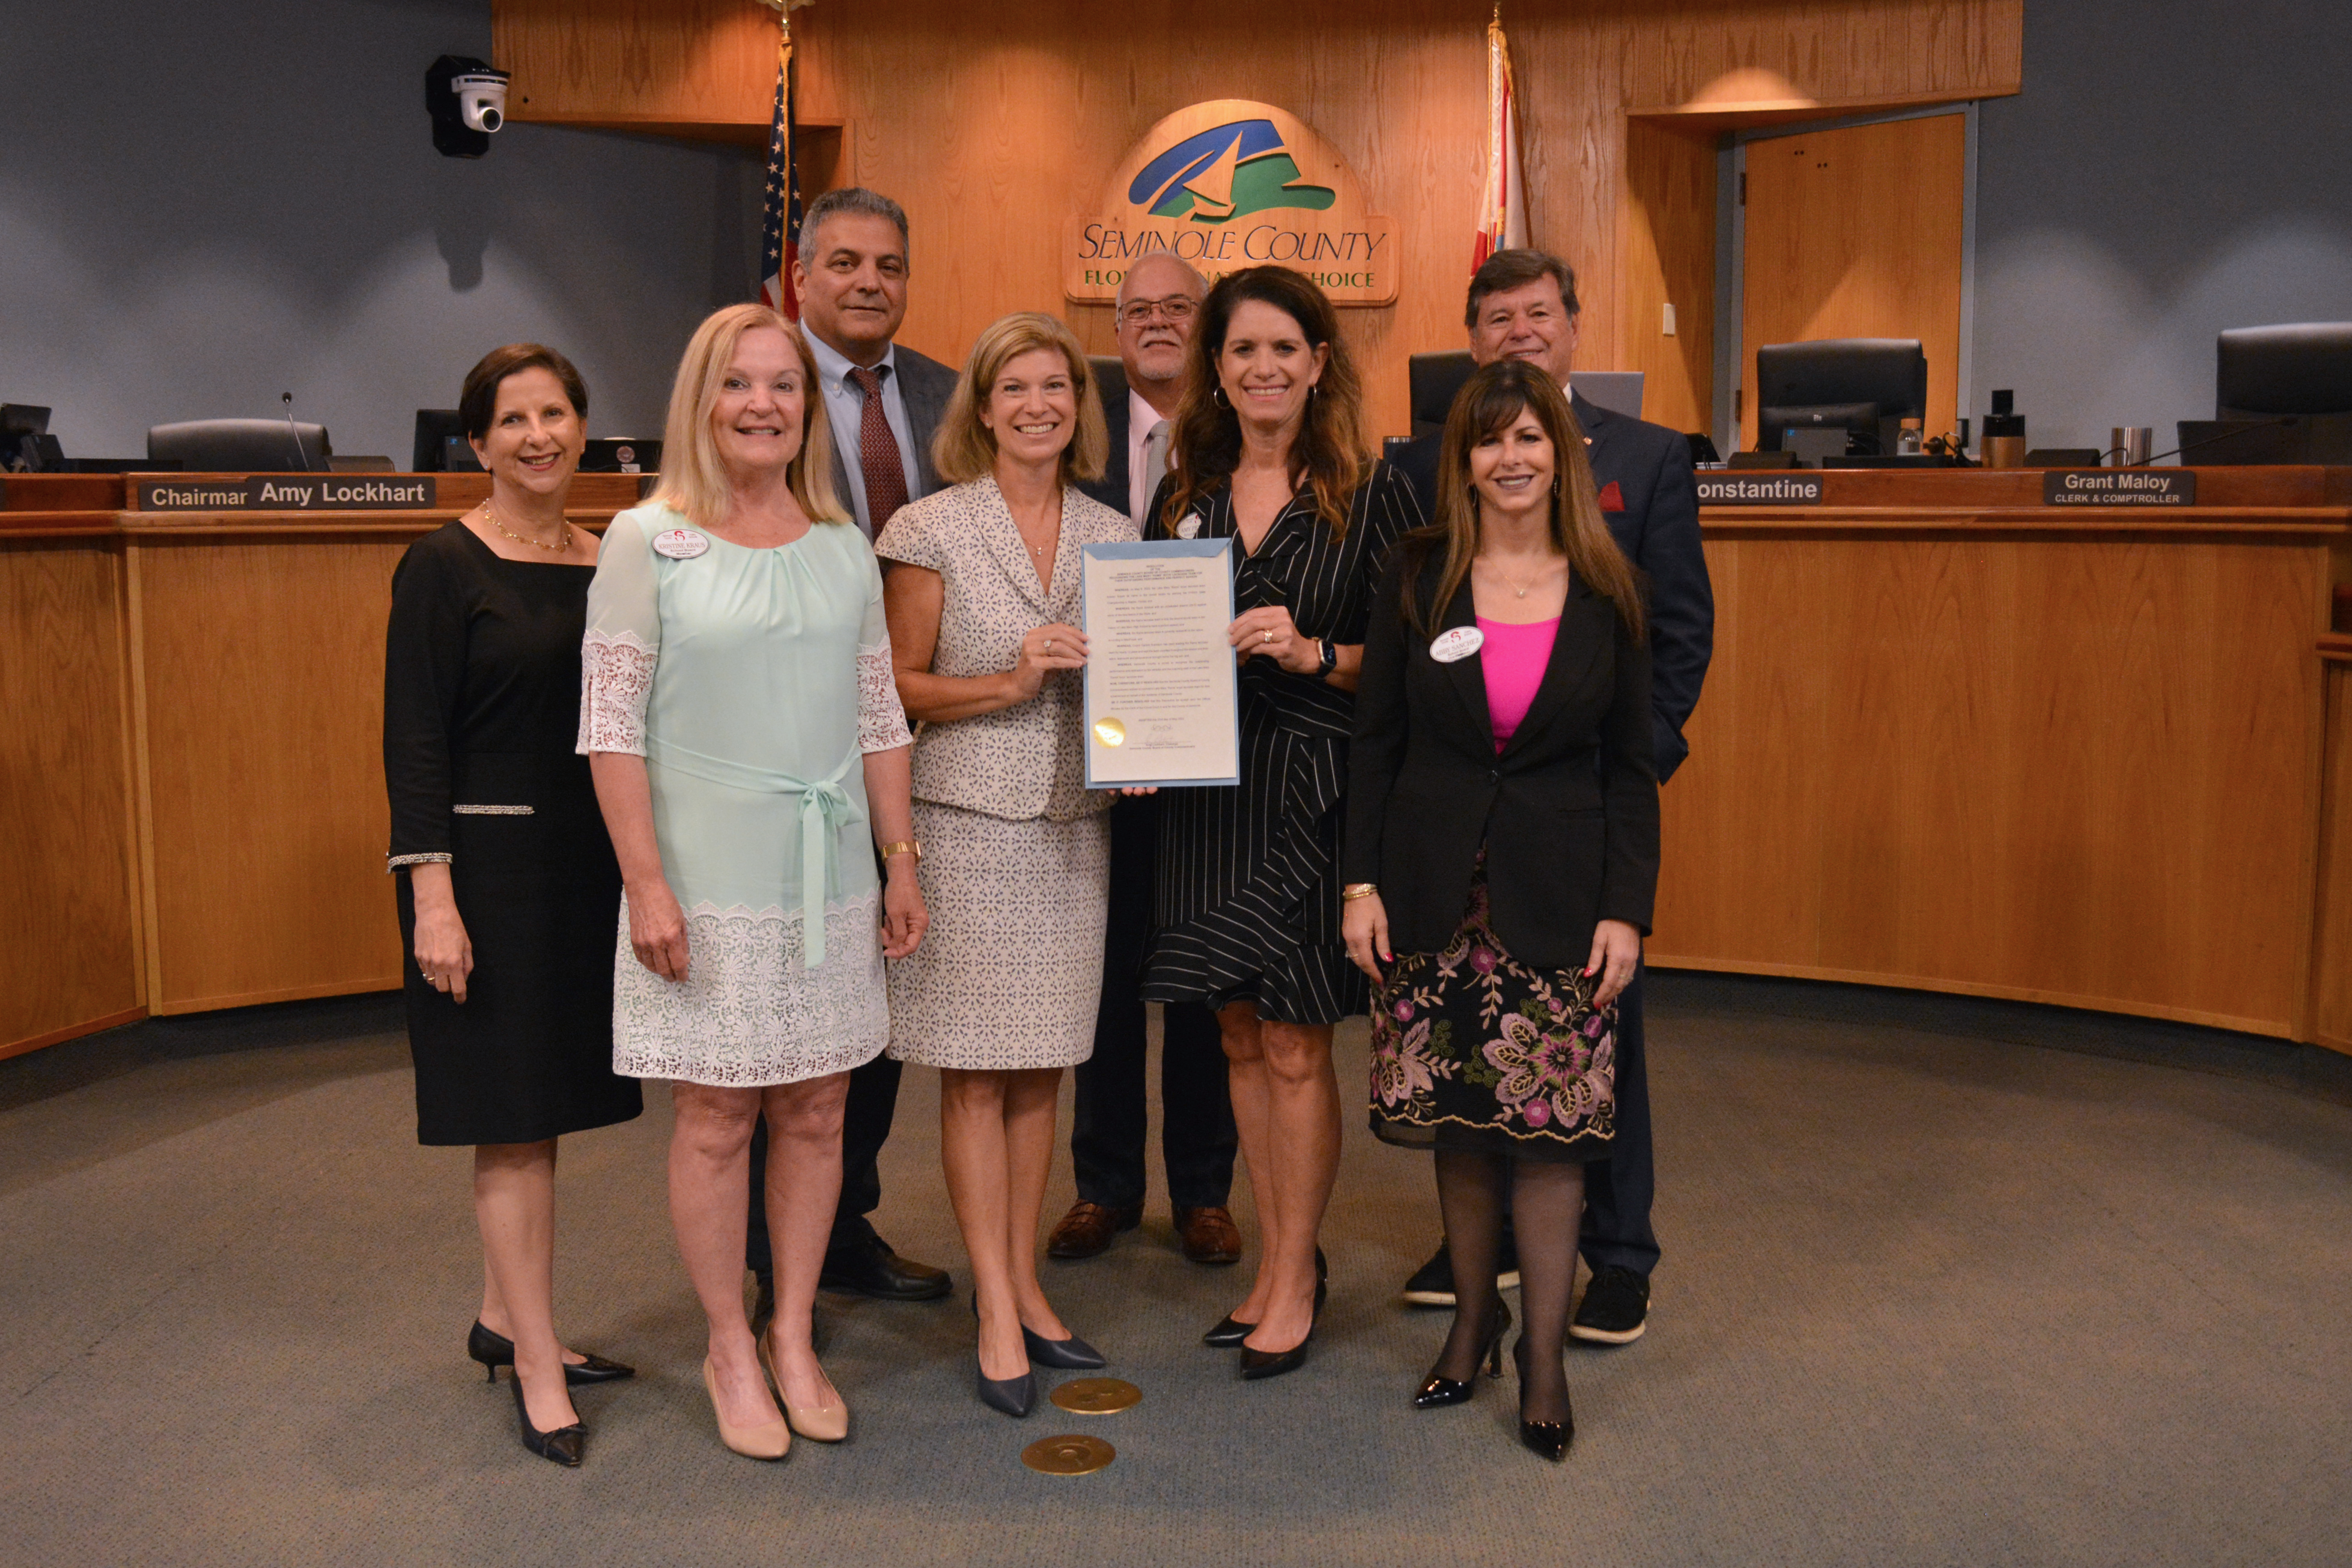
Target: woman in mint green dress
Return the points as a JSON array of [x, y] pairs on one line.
[[751, 756]]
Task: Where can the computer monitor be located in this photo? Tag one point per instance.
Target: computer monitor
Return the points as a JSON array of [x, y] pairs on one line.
[[240, 446], [2304, 367], [435, 429], [1859, 384]]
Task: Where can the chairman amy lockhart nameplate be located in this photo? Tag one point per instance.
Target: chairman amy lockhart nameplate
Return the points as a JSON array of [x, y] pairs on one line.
[[1161, 696], [290, 492]]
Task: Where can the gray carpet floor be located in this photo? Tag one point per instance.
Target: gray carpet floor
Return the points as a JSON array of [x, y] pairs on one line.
[[1946, 1282]]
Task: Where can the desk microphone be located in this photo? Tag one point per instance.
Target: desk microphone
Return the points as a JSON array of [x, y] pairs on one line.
[[301, 459]]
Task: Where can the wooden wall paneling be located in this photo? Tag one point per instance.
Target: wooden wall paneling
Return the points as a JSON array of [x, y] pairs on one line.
[[675, 66], [2331, 967], [2064, 768], [1666, 255], [994, 127], [69, 956], [263, 676], [1856, 234]]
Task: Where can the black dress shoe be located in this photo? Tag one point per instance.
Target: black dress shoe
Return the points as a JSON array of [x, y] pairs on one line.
[[1071, 1353], [1432, 1284], [871, 1268], [495, 1350], [1228, 1335], [1258, 1363], [1013, 1395], [566, 1445], [1438, 1392], [1550, 1438], [1231, 1330]]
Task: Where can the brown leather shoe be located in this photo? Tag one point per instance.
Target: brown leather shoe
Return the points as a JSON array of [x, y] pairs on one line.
[[1088, 1228], [1209, 1235]]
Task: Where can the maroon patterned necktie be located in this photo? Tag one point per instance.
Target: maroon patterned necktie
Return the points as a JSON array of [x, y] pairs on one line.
[[879, 462]]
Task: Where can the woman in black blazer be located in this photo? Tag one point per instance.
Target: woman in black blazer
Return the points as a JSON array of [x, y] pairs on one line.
[[1503, 836]]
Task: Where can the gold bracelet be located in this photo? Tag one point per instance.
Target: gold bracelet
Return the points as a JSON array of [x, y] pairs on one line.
[[1354, 890], [904, 846]]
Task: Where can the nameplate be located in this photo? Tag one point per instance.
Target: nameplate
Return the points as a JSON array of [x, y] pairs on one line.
[[2120, 487], [1760, 490], [289, 492]]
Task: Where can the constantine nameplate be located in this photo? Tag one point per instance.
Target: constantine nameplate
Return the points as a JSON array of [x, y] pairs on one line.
[[290, 492], [1758, 489], [2120, 487]]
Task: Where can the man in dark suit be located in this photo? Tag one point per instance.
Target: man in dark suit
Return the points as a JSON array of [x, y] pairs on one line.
[[1157, 301], [884, 403], [1523, 305]]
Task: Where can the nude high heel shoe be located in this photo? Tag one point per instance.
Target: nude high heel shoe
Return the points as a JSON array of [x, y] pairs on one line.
[[818, 1423], [768, 1440]]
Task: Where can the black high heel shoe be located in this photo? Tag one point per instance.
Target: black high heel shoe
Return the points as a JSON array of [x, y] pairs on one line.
[[1439, 1391], [1258, 1363], [1551, 1439], [1016, 1396], [495, 1350], [566, 1445], [1230, 1330]]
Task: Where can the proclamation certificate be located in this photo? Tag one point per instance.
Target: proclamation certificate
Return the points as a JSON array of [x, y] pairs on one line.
[[1163, 701]]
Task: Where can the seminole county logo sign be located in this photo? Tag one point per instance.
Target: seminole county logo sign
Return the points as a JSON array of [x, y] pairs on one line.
[[1231, 185]]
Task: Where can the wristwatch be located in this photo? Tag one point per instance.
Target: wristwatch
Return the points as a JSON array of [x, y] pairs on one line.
[[1329, 660]]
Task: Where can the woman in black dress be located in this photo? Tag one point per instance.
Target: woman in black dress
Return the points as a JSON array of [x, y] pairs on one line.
[[1268, 450], [510, 891], [1502, 855]]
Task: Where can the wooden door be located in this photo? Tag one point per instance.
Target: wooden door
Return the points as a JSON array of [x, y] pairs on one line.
[[1856, 234]]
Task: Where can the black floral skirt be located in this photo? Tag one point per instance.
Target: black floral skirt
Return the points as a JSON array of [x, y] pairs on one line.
[[1473, 1050]]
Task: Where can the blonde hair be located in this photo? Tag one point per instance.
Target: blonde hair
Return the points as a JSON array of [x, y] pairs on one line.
[[965, 449], [693, 480]]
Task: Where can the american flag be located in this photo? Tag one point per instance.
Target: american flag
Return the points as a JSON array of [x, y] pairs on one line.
[[780, 220], [1503, 204]]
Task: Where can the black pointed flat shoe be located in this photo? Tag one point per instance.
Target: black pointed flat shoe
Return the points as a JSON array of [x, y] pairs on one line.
[[566, 1445], [495, 1350]]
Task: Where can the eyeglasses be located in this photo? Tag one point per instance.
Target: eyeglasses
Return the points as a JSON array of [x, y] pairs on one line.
[[1176, 309]]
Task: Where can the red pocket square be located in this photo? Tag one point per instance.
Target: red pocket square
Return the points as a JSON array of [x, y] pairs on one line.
[[1612, 498]]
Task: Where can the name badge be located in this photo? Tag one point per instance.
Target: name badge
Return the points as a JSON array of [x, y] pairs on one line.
[[1459, 643], [1190, 527], [680, 544]]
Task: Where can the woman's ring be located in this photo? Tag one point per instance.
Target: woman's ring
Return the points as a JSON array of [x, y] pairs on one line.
[[1049, 645], [1266, 636]]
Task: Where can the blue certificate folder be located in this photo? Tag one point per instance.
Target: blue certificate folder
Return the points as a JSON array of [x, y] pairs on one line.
[[1157, 550]]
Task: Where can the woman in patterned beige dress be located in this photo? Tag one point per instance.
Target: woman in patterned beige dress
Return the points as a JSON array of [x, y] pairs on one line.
[[982, 590]]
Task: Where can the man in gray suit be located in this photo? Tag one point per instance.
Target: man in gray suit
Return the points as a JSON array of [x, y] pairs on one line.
[[884, 403]]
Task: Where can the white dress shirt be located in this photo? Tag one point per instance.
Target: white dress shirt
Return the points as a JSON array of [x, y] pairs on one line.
[[1141, 417], [844, 404]]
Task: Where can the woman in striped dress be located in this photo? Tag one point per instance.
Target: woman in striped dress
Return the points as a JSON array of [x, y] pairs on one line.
[[1268, 451]]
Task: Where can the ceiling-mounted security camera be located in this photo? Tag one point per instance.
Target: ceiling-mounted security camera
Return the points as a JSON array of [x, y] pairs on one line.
[[468, 101]]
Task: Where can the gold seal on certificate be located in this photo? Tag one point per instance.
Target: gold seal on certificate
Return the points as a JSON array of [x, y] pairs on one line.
[[1162, 704]]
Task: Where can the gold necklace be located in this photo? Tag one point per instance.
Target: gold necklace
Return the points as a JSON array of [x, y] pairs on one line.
[[563, 531], [1497, 568]]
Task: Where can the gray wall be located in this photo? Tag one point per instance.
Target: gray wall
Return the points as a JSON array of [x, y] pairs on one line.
[[2172, 168], [204, 205]]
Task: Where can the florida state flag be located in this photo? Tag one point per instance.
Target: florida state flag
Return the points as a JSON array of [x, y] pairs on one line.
[[1503, 204]]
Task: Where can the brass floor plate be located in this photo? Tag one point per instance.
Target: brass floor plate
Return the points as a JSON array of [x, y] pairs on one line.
[[1097, 1396], [1073, 1455]]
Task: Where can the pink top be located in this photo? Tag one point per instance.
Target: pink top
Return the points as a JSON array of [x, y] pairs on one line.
[[1514, 658]]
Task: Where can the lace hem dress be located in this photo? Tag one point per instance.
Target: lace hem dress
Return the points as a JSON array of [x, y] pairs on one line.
[[754, 682]]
